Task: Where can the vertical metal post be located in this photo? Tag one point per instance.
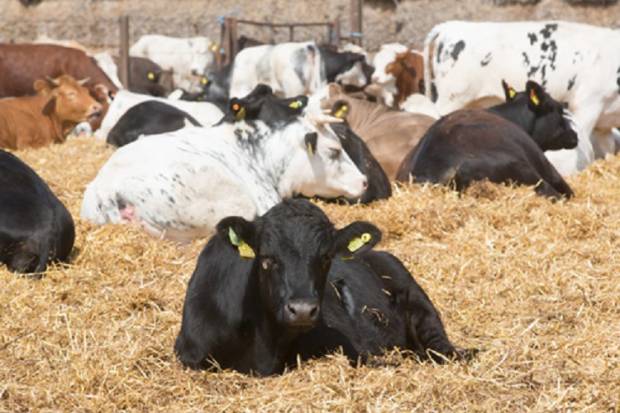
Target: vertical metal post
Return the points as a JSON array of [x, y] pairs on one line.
[[356, 21], [124, 51], [337, 31], [291, 33]]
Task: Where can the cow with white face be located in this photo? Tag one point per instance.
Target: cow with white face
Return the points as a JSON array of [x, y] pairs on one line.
[[196, 176], [188, 58], [576, 63]]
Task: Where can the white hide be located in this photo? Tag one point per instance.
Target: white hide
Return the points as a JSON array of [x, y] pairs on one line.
[[106, 63], [278, 66], [205, 113], [576, 63], [188, 58], [421, 104], [178, 185], [386, 82]]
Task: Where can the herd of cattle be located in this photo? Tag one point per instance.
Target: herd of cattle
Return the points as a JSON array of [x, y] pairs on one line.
[[225, 150]]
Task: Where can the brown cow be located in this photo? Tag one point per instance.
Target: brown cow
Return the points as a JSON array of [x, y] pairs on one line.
[[399, 73], [389, 134], [35, 121], [22, 64]]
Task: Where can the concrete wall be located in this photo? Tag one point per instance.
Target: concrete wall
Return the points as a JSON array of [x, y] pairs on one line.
[[95, 22]]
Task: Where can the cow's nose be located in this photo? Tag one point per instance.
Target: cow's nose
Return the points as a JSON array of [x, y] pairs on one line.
[[302, 313]]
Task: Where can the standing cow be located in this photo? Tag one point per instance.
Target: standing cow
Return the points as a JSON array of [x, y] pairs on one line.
[[188, 58], [576, 63]]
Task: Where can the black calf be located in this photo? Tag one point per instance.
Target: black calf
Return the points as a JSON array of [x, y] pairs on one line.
[[35, 227], [290, 283], [501, 144]]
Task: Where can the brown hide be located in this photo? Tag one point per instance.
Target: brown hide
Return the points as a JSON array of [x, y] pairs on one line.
[[389, 134], [22, 64], [35, 121], [408, 70]]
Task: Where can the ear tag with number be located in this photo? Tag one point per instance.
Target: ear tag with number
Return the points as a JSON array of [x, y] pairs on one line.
[[296, 104], [534, 98], [358, 242]]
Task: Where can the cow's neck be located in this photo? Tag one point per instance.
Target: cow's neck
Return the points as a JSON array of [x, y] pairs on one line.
[[517, 113], [60, 129]]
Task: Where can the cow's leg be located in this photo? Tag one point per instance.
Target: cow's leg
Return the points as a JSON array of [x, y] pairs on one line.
[[526, 174], [585, 121]]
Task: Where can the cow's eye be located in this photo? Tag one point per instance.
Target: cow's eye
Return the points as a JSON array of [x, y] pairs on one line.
[[335, 153], [267, 263]]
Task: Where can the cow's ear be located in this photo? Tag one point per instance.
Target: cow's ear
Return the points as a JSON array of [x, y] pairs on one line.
[[50, 106], [537, 97], [509, 91], [310, 140], [41, 87], [238, 109], [298, 103], [239, 234], [340, 109], [355, 238]]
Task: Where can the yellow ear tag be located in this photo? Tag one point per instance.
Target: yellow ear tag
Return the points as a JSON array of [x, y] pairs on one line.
[[150, 76], [244, 249], [358, 242], [204, 80], [310, 151], [342, 112], [240, 113], [534, 98], [296, 104], [512, 93], [214, 47]]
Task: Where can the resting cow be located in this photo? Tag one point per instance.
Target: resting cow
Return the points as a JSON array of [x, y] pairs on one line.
[[503, 144], [22, 64], [187, 58], [204, 113], [196, 176], [148, 118], [289, 282], [262, 104], [576, 63], [35, 227], [388, 134], [36, 121]]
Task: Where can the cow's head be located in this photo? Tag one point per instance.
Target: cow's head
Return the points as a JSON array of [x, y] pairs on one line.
[[355, 70], [262, 104], [202, 55], [68, 99], [293, 246], [551, 124]]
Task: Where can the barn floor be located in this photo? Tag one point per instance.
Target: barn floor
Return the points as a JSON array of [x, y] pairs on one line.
[[532, 283]]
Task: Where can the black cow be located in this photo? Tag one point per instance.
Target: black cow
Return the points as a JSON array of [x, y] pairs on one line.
[[502, 144], [35, 227], [147, 77], [148, 118], [290, 283]]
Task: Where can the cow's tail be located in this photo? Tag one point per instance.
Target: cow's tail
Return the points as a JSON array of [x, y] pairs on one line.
[[317, 71], [430, 89]]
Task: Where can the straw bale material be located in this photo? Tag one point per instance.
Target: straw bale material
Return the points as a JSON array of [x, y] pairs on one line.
[[532, 283]]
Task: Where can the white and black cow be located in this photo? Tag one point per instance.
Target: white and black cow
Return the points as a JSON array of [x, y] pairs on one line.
[[148, 118], [194, 177], [576, 63], [289, 283], [204, 113], [35, 227], [188, 58], [296, 69]]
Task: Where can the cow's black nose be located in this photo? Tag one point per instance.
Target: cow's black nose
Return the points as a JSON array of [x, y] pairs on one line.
[[302, 313]]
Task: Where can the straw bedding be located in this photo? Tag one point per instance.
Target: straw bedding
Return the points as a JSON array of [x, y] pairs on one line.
[[533, 284]]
